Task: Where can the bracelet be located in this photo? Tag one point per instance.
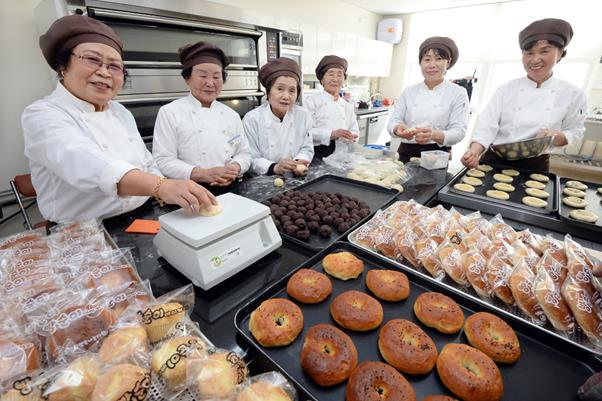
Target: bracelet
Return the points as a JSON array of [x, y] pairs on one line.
[[156, 191]]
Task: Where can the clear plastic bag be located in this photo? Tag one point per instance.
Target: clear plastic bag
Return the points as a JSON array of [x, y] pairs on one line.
[[555, 269], [529, 256], [521, 284], [450, 257], [475, 265], [586, 312], [71, 382], [426, 253], [500, 230], [218, 376], [552, 303], [270, 386], [498, 270]]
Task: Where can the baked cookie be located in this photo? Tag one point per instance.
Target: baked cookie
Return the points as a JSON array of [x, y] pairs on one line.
[[502, 178], [568, 191], [498, 194], [464, 187], [475, 182], [539, 177], [535, 184], [577, 185], [584, 215], [473, 172], [573, 201], [484, 167], [538, 193], [511, 172], [343, 265], [502, 186], [533, 201]]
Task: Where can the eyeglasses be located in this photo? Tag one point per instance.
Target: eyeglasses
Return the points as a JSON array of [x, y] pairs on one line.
[[114, 68]]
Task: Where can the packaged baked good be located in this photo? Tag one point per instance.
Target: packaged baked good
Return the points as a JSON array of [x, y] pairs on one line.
[[74, 381], [475, 266], [554, 248], [581, 273], [126, 344], [555, 269], [501, 249], [520, 282], [219, 375], [450, 257], [531, 240], [498, 270], [384, 241], [477, 240], [405, 241], [500, 230], [426, 254], [270, 386], [22, 238], [19, 354], [527, 254], [120, 299], [552, 303], [122, 382], [586, 312]]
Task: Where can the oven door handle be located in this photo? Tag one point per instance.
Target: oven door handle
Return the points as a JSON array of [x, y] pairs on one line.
[[171, 21]]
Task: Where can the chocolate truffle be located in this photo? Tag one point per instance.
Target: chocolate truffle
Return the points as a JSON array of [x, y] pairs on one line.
[[303, 235], [313, 226], [325, 231]]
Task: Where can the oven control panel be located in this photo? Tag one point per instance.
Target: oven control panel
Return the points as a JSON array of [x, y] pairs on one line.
[[272, 45], [291, 39]]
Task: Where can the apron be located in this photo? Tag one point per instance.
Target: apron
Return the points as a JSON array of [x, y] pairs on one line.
[[540, 163]]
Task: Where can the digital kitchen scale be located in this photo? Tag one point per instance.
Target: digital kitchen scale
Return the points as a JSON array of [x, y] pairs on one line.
[[208, 250]]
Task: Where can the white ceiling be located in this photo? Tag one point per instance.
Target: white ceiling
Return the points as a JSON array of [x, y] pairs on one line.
[[392, 7]]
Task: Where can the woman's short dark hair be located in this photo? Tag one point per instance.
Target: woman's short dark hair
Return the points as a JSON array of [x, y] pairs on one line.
[[187, 72], [557, 45], [439, 51], [63, 59], [269, 88]]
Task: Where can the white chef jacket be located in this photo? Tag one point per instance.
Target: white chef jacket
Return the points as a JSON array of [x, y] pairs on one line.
[[77, 156], [328, 115], [271, 139], [188, 135], [445, 107], [518, 110]]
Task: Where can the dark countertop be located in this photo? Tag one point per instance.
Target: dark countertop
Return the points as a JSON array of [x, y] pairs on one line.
[[214, 309], [360, 112]]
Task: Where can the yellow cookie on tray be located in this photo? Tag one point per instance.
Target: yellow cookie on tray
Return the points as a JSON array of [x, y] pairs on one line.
[[538, 193], [497, 194], [511, 172], [502, 186], [464, 187], [535, 184], [473, 172], [503, 178], [475, 182], [539, 177], [535, 202]]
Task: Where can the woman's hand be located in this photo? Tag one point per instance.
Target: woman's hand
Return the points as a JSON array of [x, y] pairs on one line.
[[473, 155], [405, 132], [427, 134], [343, 134], [216, 176], [187, 194], [559, 137], [285, 165]]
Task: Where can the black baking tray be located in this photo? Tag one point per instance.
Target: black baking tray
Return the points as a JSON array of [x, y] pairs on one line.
[[548, 369], [594, 199], [516, 196], [374, 195]]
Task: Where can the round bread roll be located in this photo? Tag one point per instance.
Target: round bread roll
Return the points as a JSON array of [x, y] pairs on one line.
[[406, 347], [573, 201], [475, 182], [169, 358], [439, 311], [539, 177], [377, 381], [438, 397], [158, 320], [484, 167], [355, 310], [122, 382], [328, 355], [75, 382], [464, 187], [276, 322], [535, 184], [18, 357], [388, 285], [263, 391], [493, 336], [503, 178], [301, 169], [469, 373], [568, 191], [584, 215], [577, 185], [343, 265], [538, 193], [503, 186], [492, 193], [533, 201], [511, 172], [212, 210], [473, 172], [123, 345], [309, 286], [218, 376]]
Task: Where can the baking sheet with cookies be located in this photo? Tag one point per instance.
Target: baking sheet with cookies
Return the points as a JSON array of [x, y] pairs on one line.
[[548, 369], [593, 197], [515, 197], [373, 195]]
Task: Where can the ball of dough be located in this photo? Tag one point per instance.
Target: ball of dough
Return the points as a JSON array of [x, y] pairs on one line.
[[212, 210], [473, 172], [584, 215], [464, 187], [535, 202], [568, 191], [415, 159], [301, 169], [600, 190], [484, 167], [535, 184], [278, 182], [577, 185], [498, 194], [573, 201], [538, 193], [511, 172], [502, 186], [539, 177], [503, 178], [475, 182]]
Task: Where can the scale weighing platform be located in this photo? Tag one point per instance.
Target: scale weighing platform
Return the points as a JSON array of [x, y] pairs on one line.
[[208, 250]]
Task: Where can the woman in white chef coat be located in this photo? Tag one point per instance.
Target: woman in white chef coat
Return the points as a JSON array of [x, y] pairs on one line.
[[197, 137], [333, 117], [86, 156], [278, 131], [433, 114], [533, 106]]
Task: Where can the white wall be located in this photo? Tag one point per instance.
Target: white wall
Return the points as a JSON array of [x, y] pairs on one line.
[[23, 78]]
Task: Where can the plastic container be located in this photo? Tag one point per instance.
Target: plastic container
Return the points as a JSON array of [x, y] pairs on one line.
[[434, 159]]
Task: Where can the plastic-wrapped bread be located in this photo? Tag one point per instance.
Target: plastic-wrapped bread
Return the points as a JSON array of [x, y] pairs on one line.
[[405, 241], [526, 253], [580, 271], [552, 303], [475, 266], [586, 313], [521, 284], [554, 248], [450, 257], [531, 240], [426, 253], [455, 234], [475, 221], [555, 269], [498, 271], [502, 249], [500, 230], [384, 242], [574, 250], [476, 239]]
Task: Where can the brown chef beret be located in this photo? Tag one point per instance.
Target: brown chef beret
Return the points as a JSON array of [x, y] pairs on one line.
[[202, 52], [551, 29], [440, 42], [330, 61], [281, 66], [67, 32]]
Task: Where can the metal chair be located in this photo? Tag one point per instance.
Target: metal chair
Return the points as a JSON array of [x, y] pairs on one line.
[[23, 188]]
